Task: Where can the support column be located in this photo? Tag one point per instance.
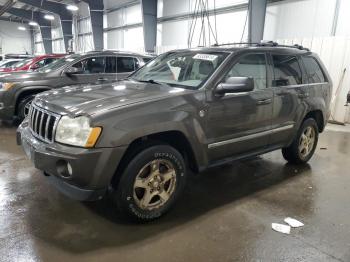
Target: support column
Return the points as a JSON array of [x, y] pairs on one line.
[[149, 16], [96, 8], [257, 13]]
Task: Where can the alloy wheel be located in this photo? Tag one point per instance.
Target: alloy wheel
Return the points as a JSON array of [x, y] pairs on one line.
[[154, 184], [307, 141]]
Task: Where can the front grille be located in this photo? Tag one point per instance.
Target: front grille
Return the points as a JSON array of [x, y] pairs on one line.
[[43, 123]]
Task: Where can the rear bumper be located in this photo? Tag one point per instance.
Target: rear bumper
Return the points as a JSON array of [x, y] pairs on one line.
[[90, 172]]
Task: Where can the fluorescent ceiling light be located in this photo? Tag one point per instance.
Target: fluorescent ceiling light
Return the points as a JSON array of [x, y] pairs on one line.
[[72, 7], [22, 28], [49, 17], [32, 23]]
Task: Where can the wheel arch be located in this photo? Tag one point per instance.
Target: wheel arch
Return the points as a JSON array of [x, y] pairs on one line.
[[27, 92], [318, 116], [174, 138]]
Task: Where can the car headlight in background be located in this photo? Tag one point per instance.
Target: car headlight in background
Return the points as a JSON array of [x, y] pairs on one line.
[[6, 86], [77, 132]]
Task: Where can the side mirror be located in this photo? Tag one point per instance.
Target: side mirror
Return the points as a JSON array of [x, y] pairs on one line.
[[235, 85], [35, 67], [73, 70]]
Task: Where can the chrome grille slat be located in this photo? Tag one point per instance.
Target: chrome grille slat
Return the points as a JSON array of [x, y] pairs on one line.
[[43, 123]]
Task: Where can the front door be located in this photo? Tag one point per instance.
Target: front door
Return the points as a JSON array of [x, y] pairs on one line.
[[240, 123], [92, 71]]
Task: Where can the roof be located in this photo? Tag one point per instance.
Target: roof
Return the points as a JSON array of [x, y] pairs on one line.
[[116, 52]]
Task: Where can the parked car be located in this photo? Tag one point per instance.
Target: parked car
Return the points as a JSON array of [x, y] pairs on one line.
[[187, 109], [8, 63], [32, 64], [17, 90]]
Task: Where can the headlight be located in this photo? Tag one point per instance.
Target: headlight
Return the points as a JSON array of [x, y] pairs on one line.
[[77, 132], [6, 86]]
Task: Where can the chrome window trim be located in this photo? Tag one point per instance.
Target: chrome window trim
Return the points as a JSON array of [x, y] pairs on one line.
[[301, 85], [248, 137]]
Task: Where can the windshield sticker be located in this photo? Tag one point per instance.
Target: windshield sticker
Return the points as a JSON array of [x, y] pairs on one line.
[[207, 57]]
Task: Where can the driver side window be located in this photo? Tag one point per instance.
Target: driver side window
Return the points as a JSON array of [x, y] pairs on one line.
[[92, 65], [252, 65]]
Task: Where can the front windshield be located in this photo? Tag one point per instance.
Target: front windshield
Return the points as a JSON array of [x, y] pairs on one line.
[[58, 63], [186, 69]]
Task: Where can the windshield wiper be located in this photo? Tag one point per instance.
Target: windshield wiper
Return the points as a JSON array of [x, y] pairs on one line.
[[147, 81]]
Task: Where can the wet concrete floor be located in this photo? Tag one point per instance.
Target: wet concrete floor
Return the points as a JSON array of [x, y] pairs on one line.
[[225, 214]]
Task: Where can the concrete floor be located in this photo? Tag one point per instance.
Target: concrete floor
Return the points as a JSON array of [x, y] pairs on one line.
[[225, 215]]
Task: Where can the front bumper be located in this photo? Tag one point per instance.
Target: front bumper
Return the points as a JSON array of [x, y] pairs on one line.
[[6, 112], [91, 169]]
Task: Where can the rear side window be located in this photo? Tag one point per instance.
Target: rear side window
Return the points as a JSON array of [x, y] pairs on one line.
[[254, 66], [287, 70], [313, 69], [125, 64]]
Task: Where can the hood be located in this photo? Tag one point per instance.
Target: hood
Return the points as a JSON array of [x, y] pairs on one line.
[[21, 76], [93, 99]]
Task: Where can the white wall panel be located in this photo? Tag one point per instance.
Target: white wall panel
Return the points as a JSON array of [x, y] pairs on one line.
[[343, 28], [13, 40], [303, 18]]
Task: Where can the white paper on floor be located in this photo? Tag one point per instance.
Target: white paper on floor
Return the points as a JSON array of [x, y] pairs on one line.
[[293, 222], [281, 228]]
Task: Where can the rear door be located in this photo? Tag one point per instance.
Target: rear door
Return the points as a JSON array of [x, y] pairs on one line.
[[289, 92]]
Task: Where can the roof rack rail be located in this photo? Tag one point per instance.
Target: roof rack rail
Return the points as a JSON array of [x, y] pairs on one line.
[[264, 43]]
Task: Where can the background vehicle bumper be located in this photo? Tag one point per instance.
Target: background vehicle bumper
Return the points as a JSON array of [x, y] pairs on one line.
[[90, 172], [6, 112]]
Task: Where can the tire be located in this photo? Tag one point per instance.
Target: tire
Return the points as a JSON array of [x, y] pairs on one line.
[[23, 107], [301, 150], [151, 183]]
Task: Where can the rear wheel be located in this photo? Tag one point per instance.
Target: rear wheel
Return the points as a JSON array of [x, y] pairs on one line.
[[151, 183], [303, 147], [23, 107]]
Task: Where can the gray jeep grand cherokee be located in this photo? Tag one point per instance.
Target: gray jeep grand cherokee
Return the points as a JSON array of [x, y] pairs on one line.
[[185, 110]]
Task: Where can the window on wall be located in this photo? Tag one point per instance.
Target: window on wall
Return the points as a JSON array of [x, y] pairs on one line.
[[313, 69], [287, 70], [125, 64], [254, 66]]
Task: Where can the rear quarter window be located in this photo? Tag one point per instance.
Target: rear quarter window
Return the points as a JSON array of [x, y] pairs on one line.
[[313, 69]]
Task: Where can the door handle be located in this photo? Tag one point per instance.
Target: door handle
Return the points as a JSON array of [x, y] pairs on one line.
[[264, 101], [101, 79]]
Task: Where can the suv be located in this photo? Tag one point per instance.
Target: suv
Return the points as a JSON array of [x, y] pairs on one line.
[[18, 89], [185, 110]]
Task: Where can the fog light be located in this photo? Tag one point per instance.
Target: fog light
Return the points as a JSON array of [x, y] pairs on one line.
[[64, 169], [69, 169]]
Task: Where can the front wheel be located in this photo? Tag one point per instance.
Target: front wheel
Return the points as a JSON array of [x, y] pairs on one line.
[[304, 145], [151, 183]]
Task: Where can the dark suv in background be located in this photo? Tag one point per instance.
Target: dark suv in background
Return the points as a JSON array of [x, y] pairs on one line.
[[186, 109], [17, 90]]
